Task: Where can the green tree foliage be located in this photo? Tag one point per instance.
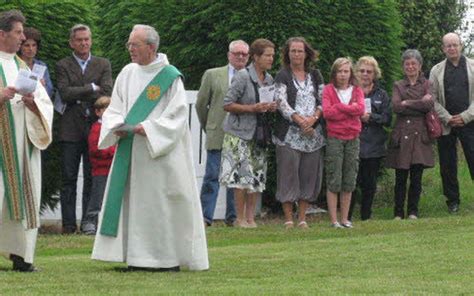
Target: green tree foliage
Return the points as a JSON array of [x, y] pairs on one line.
[[195, 33], [53, 19], [117, 19], [424, 24]]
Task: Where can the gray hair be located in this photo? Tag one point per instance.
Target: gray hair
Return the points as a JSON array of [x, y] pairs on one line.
[[234, 43], [9, 17], [78, 27], [412, 54], [152, 36]]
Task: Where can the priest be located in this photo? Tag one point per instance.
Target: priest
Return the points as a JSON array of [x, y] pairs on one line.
[[25, 126], [151, 217]]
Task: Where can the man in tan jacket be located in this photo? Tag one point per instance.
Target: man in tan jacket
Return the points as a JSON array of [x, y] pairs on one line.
[[211, 114], [453, 90]]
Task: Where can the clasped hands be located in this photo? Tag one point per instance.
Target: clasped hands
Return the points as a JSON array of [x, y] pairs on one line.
[[138, 129], [456, 121], [265, 107], [305, 123]]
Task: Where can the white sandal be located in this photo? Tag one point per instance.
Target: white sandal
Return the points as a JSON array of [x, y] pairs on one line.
[[303, 225], [289, 224]]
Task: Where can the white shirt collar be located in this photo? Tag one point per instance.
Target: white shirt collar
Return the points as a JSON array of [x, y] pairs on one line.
[[81, 61]]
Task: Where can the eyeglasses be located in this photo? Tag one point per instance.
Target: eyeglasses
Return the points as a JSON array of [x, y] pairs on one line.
[[130, 45], [451, 45], [240, 54], [366, 71]]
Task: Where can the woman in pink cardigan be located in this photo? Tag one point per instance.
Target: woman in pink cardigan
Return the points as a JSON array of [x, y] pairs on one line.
[[343, 105]]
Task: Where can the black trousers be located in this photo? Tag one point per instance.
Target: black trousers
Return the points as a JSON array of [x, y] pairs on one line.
[[71, 159], [448, 159], [367, 182], [414, 191]]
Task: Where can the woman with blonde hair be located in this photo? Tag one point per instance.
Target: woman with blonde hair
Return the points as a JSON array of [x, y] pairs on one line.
[[343, 105], [377, 116]]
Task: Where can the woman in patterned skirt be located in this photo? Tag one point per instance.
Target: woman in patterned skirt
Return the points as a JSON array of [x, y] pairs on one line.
[[243, 164]]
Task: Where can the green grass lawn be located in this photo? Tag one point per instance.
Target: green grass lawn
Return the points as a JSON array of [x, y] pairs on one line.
[[432, 255]]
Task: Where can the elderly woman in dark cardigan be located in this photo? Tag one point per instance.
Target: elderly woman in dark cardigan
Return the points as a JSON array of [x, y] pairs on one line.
[[298, 134], [373, 135], [410, 147]]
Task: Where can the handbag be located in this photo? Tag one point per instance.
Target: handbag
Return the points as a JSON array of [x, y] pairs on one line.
[[433, 124], [263, 131]]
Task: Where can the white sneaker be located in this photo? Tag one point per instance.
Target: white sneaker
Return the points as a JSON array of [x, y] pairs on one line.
[[348, 224], [412, 217]]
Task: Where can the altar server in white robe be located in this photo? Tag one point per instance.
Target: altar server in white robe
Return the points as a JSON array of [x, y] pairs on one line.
[[25, 129], [158, 221]]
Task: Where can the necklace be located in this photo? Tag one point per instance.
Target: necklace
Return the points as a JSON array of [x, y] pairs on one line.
[[299, 87]]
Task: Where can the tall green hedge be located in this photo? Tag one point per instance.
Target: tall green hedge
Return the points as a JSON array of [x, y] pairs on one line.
[[117, 19], [53, 19], [195, 34], [424, 24]]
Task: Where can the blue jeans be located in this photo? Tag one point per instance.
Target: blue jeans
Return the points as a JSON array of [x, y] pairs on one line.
[[210, 190]]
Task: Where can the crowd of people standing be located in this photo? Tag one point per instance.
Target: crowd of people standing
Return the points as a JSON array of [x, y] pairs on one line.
[[143, 205], [340, 129]]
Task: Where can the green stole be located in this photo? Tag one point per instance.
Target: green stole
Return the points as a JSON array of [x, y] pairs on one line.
[[18, 188], [140, 110]]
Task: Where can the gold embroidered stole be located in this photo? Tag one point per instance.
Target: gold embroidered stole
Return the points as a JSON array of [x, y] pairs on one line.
[[17, 183]]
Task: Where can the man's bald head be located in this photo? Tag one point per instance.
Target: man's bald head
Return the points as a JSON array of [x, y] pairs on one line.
[[452, 47], [451, 37]]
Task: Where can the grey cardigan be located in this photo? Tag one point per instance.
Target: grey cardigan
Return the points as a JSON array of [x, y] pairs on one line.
[[437, 80], [241, 91]]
